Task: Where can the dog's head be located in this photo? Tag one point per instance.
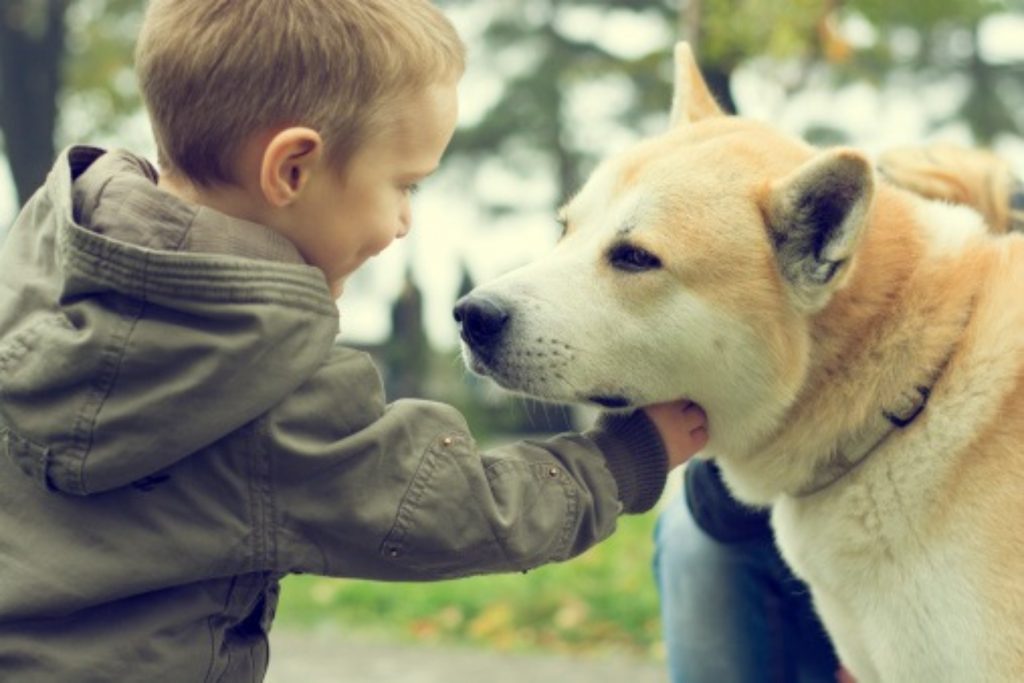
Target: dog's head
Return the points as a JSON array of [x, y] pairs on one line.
[[689, 267]]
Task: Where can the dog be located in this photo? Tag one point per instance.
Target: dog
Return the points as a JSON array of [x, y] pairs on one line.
[[858, 351]]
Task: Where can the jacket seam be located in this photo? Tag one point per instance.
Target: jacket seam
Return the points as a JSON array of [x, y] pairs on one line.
[[262, 500], [569, 489], [500, 541], [254, 514], [270, 518], [38, 465], [572, 508], [420, 484], [395, 538], [213, 652], [275, 529], [110, 368], [18, 345]]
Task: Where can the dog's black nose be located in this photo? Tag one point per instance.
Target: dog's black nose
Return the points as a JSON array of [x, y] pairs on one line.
[[481, 321]]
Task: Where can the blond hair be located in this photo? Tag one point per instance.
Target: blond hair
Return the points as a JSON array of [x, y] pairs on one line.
[[214, 72]]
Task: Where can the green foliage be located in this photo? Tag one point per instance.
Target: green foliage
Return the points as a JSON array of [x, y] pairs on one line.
[[947, 46], [99, 75], [604, 599], [530, 113], [735, 30], [529, 125], [924, 15]]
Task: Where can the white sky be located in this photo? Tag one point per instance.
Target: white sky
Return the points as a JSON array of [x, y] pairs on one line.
[[449, 227]]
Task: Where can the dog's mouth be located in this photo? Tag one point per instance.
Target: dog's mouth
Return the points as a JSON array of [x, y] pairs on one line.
[[541, 382], [477, 363], [611, 401], [487, 366]]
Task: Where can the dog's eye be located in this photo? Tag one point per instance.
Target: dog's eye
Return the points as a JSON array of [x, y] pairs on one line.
[[632, 259]]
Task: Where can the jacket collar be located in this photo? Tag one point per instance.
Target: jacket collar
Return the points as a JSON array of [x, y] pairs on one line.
[[115, 194]]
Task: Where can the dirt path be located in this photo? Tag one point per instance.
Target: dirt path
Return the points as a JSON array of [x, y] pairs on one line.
[[325, 657]]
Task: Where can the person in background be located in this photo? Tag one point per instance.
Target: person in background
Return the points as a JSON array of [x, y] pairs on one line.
[[732, 611]]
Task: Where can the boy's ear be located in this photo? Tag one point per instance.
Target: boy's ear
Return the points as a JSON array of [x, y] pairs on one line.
[[288, 161], [816, 216], [692, 99]]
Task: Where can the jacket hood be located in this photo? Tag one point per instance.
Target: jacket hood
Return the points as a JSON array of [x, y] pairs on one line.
[[136, 328]]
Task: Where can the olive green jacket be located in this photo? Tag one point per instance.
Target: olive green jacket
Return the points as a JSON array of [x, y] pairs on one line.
[[178, 429]]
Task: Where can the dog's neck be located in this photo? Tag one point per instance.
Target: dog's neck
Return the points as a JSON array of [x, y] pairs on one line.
[[891, 330], [857, 447]]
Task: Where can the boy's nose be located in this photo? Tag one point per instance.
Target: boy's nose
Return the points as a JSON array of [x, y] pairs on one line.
[[481, 322]]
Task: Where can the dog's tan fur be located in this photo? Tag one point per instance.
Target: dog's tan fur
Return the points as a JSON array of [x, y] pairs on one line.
[[915, 555]]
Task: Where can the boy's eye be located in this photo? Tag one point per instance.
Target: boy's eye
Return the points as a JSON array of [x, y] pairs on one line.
[[412, 188]]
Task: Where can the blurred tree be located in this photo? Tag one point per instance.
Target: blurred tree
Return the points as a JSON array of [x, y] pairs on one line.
[[530, 114], [85, 46], [62, 55], [100, 89], [537, 47], [31, 51], [530, 47], [915, 41], [940, 39], [406, 353]]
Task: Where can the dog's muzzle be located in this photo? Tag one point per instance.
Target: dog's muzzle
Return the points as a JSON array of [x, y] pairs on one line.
[[494, 348], [482, 321]]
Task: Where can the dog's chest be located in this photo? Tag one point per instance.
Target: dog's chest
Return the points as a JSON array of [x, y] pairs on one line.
[[888, 586]]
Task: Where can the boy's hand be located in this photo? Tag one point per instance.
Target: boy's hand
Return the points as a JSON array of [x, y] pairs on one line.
[[844, 676], [683, 429]]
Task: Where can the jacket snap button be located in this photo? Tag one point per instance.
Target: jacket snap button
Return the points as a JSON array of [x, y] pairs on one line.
[[393, 552], [554, 472], [446, 441]]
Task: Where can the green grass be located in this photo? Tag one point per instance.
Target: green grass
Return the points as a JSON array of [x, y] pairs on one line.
[[604, 599]]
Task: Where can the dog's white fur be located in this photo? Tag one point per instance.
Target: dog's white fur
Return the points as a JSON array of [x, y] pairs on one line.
[[796, 299]]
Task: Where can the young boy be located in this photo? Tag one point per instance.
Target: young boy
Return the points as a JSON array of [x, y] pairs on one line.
[[177, 427]]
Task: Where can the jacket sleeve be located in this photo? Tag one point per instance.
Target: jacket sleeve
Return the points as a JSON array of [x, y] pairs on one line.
[[365, 489]]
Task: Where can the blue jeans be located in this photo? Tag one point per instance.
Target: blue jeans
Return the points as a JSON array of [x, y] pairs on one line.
[[733, 613]]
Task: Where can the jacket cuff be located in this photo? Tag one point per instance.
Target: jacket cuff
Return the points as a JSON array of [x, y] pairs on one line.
[[635, 456]]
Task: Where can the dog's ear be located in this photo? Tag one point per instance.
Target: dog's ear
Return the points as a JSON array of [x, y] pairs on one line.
[[691, 100], [816, 216]]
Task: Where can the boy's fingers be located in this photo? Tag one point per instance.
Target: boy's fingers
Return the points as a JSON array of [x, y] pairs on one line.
[[694, 417], [699, 436], [683, 415], [682, 428]]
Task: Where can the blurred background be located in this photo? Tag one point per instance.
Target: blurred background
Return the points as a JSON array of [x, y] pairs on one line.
[[552, 86]]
